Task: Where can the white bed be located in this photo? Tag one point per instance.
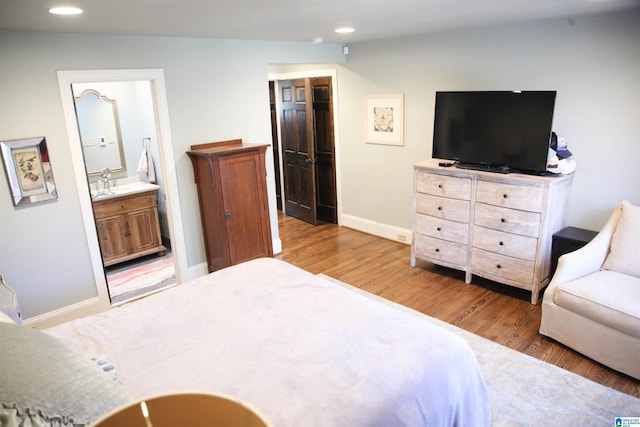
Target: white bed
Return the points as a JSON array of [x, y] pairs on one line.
[[302, 350]]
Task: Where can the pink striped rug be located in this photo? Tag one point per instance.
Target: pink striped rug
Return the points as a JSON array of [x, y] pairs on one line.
[[146, 275]]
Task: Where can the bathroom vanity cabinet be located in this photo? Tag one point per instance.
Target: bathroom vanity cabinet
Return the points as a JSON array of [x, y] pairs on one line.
[[128, 226]]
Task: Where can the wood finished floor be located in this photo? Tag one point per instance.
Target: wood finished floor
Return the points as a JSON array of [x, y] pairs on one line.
[[499, 313]]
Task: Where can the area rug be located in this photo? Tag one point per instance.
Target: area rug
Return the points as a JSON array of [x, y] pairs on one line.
[[147, 276], [525, 391]]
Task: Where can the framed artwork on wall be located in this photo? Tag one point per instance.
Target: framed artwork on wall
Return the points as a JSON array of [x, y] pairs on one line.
[[28, 170], [384, 119]]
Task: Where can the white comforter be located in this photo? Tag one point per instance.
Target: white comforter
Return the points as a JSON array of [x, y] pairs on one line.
[[302, 350]]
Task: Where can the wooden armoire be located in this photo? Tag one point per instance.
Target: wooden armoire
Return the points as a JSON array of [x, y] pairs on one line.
[[232, 190]]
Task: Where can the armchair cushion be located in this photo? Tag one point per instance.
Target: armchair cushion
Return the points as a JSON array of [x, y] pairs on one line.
[[606, 297], [624, 256]]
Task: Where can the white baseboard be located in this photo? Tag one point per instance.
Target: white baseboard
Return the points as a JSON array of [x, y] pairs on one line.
[[80, 309], [277, 246], [386, 231]]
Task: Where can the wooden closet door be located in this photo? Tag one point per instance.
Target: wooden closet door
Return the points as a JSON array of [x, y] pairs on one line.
[[324, 149], [298, 150], [241, 178]]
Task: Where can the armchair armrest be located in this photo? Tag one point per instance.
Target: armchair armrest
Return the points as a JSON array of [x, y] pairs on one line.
[[589, 258]]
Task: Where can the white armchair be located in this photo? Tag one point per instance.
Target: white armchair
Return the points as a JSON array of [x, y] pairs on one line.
[[593, 301]]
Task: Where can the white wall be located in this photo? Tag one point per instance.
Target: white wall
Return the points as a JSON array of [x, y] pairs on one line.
[[216, 89], [594, 64]]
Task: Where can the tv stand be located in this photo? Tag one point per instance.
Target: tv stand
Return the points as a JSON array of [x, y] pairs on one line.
[[483, 167], [496, 226]]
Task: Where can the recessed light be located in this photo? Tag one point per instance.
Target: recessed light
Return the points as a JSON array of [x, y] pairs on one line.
[[344, 30], [65, 10]]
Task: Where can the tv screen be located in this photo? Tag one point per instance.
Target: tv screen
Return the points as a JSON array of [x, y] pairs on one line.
[[502, 131]]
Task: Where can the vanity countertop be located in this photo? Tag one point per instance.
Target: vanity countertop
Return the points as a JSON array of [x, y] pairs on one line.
[[125, 190]]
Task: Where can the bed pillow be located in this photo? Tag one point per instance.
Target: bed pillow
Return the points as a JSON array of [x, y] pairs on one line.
[[44, 381], [624, 255]]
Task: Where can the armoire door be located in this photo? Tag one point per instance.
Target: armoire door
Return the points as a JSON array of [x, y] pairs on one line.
[[308, 147], [242, 199]]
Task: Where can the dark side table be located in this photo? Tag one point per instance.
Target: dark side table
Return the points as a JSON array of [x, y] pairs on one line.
[[568, 240]]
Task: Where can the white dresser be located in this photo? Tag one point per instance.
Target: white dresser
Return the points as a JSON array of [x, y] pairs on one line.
[[498, 226]]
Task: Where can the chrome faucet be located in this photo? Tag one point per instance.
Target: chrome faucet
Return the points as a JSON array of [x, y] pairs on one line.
[[106, 175]]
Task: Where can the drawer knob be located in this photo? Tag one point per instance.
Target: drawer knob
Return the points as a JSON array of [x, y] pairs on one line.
[[505, 196], [499, 266], [503, 220], [437, 250], [439, 185], [439, 208], [501, 243], [439, 228]]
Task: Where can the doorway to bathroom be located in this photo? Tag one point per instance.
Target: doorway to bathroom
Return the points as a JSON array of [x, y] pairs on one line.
[[143, 130], [117, 128]]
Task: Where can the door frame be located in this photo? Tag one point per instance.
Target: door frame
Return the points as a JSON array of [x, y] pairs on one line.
[[333, 73], [167, 165]]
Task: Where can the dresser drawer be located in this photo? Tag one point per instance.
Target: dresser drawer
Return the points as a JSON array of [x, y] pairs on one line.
[[490, 265], [442, 229], [118, 205], [451, 253], [442, 185], [499, 242], [509, 220], [442, 207], [526, 198]]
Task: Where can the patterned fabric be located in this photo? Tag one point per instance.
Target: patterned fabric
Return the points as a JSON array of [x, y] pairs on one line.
[[46, 383]]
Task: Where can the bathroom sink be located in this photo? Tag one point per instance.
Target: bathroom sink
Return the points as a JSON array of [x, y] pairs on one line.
[[124, 190]]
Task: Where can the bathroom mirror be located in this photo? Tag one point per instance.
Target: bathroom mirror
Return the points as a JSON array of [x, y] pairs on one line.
[[99, 132]]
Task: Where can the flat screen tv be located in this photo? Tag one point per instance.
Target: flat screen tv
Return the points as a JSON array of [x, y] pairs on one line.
[[499, 131]]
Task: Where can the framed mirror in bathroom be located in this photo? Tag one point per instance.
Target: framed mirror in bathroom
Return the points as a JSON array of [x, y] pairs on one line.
[[100, 133]]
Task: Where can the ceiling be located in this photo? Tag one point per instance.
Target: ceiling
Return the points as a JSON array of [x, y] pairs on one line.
[[287, 20]]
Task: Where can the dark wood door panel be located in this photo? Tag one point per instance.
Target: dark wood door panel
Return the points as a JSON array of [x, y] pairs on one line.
[[299, 197], [294, 131], [326, 192], [297, 145], [292, 179]]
